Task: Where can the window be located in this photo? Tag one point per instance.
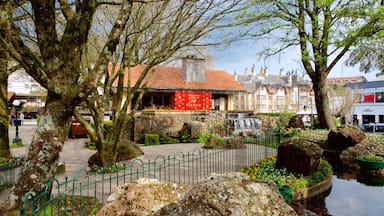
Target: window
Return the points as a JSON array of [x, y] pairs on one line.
[[379, 97]]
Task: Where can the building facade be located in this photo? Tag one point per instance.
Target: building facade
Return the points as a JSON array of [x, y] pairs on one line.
[[192, 86], [24, 88], [265, 93], [369, 108]]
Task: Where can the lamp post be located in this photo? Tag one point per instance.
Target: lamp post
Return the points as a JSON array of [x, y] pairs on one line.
[[17, 140]]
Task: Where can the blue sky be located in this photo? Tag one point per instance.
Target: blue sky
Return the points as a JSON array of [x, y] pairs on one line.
[[243, 54]]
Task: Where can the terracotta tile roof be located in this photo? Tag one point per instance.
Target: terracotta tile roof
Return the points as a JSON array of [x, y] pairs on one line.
[[168, 77]]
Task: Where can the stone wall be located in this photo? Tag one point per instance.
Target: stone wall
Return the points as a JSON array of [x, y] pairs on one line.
[[157, 122]]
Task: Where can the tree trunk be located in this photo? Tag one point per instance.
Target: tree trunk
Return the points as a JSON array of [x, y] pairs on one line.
[[4, 57], [44, 151], [4, 137], [322, 103], [117, 146]]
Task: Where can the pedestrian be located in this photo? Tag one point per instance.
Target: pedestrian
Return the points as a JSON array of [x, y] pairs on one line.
[[21, 118]]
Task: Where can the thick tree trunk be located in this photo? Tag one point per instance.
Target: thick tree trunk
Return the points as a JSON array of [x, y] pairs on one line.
[[4, 138], [44, 151], [322, 104], [117, 146], [5, 14]]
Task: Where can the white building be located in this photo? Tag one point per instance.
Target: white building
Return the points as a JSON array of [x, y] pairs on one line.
[[370, 107], [27, 90]]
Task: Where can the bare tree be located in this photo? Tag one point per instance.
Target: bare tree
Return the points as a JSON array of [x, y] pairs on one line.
[[168, 28], [324, 31], [50, 43]]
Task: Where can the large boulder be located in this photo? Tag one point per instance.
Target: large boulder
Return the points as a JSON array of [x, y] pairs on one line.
[[143, 197], [299, 155], [344, 137], [217, 194], [230, 194], [296, 122]]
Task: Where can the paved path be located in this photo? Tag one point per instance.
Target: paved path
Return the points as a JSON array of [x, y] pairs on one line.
[[75, 156]]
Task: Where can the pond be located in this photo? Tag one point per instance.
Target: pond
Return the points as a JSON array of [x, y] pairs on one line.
[[349, 198]]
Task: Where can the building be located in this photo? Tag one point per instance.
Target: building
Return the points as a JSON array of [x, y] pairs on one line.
[[192, 86], [24, 88], [370, 104], [286, 92], [345, 80]]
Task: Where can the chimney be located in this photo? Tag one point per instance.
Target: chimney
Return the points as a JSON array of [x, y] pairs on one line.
[[235, 75], [290, 79], [193, 69], [281, 73], [266, 71], [246, 71], [253, 70]]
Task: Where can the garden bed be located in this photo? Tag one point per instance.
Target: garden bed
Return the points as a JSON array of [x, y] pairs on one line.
[[313, 190]]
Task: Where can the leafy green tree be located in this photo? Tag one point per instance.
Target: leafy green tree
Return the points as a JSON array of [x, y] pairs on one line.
[[323, 30], [369, 54]]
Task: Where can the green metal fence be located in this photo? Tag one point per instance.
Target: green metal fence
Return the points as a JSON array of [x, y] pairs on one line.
[[86, 192]]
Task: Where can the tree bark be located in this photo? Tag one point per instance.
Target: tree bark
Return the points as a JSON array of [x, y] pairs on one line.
[[44, 151], [322, 103], [5, 14], [4, 137]]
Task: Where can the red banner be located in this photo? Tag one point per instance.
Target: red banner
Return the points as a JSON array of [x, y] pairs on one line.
[[191, 100]]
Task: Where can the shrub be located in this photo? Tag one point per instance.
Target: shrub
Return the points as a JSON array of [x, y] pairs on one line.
[[203, 138], [168, 140], [185, 138], [151, 139]]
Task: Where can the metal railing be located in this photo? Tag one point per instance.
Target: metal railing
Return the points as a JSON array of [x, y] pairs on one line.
[[86, 192]]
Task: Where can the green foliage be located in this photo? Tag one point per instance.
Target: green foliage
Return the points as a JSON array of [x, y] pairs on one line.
[[17, 145], [3, 160], [4, 187], [91, 146], [107, 127], [185, 138], [107, 124], [248, 140], [336, 121], [284, 118], [290, 132], [203, 138], [315, 123], [151, 139], [322, 171], [168, 140], [370, 158], [109, 168], [220, 140], [266, 170]]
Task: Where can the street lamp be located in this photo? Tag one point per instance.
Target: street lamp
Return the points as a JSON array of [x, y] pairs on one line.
[[17, 140]]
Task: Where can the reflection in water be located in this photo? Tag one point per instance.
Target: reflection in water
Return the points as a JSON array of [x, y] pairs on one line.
[[348, 198]]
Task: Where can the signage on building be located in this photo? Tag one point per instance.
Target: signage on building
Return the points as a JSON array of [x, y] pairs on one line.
[[192, 100]]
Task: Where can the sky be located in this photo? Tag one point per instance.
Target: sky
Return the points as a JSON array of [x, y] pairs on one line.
[[243, 54]]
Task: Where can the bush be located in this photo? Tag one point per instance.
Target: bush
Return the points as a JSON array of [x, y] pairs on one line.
[[151, 139], [168, 140], [203, 138]]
